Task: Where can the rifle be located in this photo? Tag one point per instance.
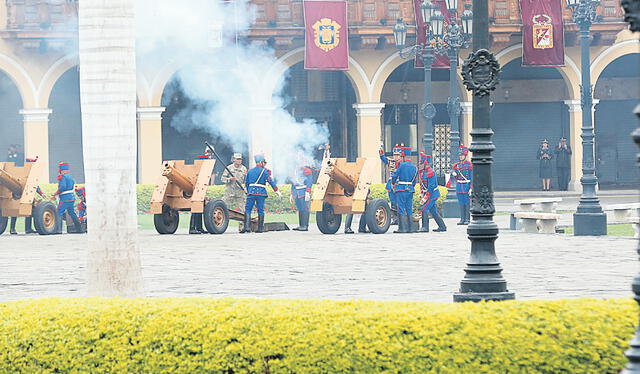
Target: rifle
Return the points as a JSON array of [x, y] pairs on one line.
[[213, 151]]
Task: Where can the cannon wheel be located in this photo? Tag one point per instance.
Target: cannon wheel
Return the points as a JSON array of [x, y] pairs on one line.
[[3, 224], [378, 216], [45, 218], [328, 222], [166, 222], [216, 217]]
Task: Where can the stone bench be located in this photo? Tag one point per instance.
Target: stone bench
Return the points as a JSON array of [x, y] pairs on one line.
[[534, 222], [545, 204], [622, 211]]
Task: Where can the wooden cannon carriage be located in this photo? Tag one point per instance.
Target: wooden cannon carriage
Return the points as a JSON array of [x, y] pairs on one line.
[[18, 189], [343, 188]]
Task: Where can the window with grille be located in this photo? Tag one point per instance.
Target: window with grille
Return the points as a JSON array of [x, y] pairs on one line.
[[393, 11], [260, 12], [442, 149], [284, 12], [369, 12]]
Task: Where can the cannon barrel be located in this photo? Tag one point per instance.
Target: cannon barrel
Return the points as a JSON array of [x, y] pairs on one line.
[[178, 178], [341, 178], [12, 183]]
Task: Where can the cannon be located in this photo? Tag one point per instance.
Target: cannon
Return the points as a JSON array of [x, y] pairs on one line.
[[18, 189], [343, 188], [183, 188]]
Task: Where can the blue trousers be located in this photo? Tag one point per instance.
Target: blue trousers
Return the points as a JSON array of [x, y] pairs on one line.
[[259, 203], [301, 205], [462, 193], [67, 207], [405, 203], [392, 198]]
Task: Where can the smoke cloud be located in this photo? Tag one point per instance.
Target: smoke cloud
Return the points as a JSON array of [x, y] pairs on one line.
[[222, 76]]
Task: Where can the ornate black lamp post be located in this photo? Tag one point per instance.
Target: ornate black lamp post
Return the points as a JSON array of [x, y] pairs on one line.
[[483, 279], [632, 15], [455, 39], [434, 21], [589, 219]]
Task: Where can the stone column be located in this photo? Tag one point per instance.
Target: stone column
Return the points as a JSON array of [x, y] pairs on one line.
[[370, 132], [149, 143], [467, 120], [575, 141], [36, 137]]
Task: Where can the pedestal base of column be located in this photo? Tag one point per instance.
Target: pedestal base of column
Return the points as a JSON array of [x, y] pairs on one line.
[[477, 297], [589, 224], [450, 208]]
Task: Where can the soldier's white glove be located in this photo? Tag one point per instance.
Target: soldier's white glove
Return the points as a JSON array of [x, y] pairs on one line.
[[279, 193], [290, 199], [307, 196]]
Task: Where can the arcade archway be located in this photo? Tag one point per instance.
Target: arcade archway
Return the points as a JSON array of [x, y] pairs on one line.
[[65, 125], [12, 129]]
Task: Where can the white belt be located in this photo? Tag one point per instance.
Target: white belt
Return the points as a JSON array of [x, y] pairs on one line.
[[301, 187], [463, 181], [64, 192], [257, 185], [405, 183]]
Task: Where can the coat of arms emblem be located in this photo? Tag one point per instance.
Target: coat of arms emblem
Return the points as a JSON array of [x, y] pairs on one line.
[[326, 34], [542, 31]]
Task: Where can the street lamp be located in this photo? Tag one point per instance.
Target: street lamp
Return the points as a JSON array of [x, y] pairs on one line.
[[483, 278], [632, 15], [428, 12], [455, 39], [589, 218]]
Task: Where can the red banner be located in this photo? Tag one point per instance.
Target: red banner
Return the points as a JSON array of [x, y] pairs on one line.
[[441, 61], [542, 33], [327, 35]]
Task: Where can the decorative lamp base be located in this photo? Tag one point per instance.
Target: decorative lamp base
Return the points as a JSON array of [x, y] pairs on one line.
[[475, 297], [589, 224]]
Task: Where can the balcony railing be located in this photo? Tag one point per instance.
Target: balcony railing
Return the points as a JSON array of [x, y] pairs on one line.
[[42, 15]]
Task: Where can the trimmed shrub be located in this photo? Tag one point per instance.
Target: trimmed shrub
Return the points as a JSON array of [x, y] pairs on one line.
[[176, 335]]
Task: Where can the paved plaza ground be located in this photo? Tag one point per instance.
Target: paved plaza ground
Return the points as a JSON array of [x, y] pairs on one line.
[[424, 267]]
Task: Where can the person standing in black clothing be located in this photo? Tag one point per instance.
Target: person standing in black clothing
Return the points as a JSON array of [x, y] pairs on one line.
[[545, 156], [563, 164]]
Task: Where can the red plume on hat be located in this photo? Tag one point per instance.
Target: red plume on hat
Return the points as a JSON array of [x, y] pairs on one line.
[[463, 150], [425, 158]]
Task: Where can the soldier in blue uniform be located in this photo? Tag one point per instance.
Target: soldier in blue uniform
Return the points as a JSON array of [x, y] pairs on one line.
[[404, 179], [463, 173], [66, 198], [301, 193], [430, 194], [256, 185], [392, 165]]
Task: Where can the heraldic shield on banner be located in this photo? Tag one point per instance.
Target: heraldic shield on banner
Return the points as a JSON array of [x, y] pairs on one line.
[[542, 33], [326, 35]]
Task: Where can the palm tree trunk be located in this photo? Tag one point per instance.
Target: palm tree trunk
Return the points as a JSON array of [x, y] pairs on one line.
[[108, 100]]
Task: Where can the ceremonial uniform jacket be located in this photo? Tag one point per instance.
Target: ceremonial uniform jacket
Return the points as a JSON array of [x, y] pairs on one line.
[[387, 162], [405, 177], [232, 188], [463, 172], [65, 188], [257, 180], [563, 157], [303, 183], [429, 184]]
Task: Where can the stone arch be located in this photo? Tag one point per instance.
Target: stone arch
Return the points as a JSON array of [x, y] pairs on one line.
[[611, 54], [388, 66], [570, 73], [276, 72], [21, 78]]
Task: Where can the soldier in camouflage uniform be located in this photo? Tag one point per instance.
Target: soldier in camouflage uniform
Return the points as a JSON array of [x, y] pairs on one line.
[[234, 195]]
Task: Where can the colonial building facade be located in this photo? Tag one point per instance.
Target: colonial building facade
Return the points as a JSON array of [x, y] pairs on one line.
[[376, 100]]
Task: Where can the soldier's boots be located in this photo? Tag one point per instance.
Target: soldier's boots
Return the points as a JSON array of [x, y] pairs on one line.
[[260, 224], [467, 214], [246, 227], [425, 222], [199, 228], [403, 223], [28, 228], [12, 230], [347, 224], [77, 225], [192, 225], [463, 214], [303, 220], [362, 227], [441, 226]]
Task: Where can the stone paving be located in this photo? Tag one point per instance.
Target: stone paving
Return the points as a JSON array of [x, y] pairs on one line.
[[424, 267]]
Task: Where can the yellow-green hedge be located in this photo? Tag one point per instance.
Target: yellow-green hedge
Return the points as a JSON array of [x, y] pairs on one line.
[[292, 336]]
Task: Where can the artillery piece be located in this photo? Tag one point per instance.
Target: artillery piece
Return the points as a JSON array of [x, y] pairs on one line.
[[183, 188], [343, 188], [18, 188]]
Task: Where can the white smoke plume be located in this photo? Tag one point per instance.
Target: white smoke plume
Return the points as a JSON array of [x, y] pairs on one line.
[[221, 76]]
